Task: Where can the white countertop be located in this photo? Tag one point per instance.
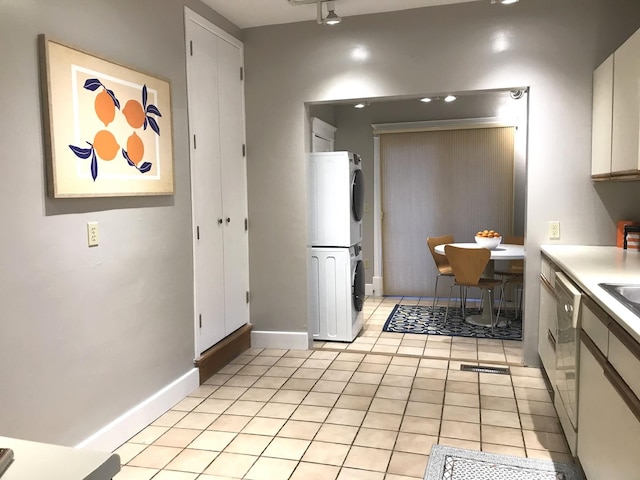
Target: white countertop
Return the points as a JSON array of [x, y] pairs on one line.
[[590, 265]]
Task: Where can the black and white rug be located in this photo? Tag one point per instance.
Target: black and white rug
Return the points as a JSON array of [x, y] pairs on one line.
[[449, 463], [423, 319]]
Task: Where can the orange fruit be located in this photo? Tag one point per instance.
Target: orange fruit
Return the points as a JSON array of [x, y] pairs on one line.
[[105, 145], [135, 148], [134, 113], [105, 108]]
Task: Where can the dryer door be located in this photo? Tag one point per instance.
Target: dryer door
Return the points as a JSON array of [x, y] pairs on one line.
[[357, 195], [357, 288]]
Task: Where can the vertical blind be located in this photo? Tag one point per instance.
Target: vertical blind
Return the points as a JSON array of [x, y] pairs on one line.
[[437, 183]]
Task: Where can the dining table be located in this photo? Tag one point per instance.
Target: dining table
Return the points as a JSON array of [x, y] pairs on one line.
[[504, 251]]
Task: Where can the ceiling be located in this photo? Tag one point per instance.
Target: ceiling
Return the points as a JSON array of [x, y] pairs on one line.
[[255, 13]]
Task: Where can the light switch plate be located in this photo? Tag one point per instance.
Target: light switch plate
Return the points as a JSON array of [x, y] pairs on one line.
[[554, 230], [92, 234]]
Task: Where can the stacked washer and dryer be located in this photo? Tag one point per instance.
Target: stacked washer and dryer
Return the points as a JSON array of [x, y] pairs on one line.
[[336, 270]]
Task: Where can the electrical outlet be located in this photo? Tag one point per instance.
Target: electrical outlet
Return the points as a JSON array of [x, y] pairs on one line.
[[366, 207], [554, 230], [92, 234], [367, 263]]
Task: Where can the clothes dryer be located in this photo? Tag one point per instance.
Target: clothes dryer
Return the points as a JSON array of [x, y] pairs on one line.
[[336, 199], [336, 293]]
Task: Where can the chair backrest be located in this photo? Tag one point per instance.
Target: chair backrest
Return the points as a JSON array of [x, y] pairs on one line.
[[467, 263], [514, 240], [433, 242]]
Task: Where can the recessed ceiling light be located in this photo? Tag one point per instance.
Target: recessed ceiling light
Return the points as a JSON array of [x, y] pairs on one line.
[[425, 99], [360, 105], [449, 98], [504, 2]]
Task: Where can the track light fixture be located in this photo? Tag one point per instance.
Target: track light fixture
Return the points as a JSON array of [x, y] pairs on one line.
[[504, 2], [332, 18]]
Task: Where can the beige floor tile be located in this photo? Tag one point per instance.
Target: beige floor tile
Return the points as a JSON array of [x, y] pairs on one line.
[[269, 382], [503, 391], [461, 414], [300, 430], [324, 355], [213, 405], [316, 363], [169, 419], [289, 396], [354, 402], [309, 373], [231, 465], [177, 437], [215, 441], [289, 362], [383, 359], [461, 430], [502, 436], [230, 369], [548, 455], [498, 403], [218, 379], [366, 458], [155, 457], [350, 357], [385, 421], [422, 425], [253, 370], [420, 409], [526, 372], [356, 474], [375, 438], [313, 471], [301, 384], [428, 372], [461, 376], [276, 410], [535, 394], [385, 405], [415, 443], [320, 399], [228, 393], [369, 378], [336, 375], [245, 407], [248, 444], [259, 394], [554, 442], [287, 448], [326, 453], [402, 370], [298, 353], [309, 413], [361, 389], [149, 435], [171, 475], [230, 423], [344, 416], [280, 371], [494, 379], [426, 396], [196, 420], [187, 404], [462, 399], [191, 460], [540, 423], [529, 382], [408, 464], [469, 388], [499, 419], [135, 473], [271, 469], [503, 449], [372, 367], [459, 443], [344, 366], [129, 450], [378, 348], [393, 392], [336, 433], [531, 407], [261, 360], [329, 386], [397, 381]]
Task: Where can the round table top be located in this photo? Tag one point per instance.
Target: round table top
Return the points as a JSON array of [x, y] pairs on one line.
[[504, 251]]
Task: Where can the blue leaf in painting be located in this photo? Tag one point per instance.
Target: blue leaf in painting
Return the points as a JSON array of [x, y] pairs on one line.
[[81, 152], [145, 167], [154, 125], [116, 102], [153, 109], [92, 84], [145, 123], [144, 96], [94, 166], [126, 156]]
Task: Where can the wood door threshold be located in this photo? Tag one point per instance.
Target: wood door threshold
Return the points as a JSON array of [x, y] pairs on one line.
[[219, 355]]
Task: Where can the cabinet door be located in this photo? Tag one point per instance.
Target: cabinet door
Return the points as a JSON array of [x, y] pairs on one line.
[[234, 186], [602, 118], [626, 107], [608, 432], [547, 326]]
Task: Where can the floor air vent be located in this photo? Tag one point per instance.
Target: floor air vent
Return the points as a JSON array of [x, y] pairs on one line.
[[478, 369]]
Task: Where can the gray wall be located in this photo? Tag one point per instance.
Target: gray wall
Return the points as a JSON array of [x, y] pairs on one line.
[[554, 48], [89, 333]]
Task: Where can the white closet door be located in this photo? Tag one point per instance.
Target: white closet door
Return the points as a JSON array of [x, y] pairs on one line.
[[234, 186], [204, 122]]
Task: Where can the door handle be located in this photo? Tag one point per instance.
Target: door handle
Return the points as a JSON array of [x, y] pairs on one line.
[[228, 220], [219, 221]]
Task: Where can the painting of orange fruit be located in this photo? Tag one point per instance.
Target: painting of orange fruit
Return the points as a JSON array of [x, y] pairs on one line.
[[110, 127]]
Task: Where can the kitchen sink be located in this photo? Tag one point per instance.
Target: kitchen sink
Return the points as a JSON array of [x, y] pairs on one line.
[[627, 294]]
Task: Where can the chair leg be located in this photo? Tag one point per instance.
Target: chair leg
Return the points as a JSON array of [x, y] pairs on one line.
[[435, 293], [464, 303], [488, 292], [446, 313]]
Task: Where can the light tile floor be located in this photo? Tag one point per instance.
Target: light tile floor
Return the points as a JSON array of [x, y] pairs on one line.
[[345, 415]]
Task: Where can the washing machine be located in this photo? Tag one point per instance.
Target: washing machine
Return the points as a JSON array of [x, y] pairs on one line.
[[336, 293], [336, 199]]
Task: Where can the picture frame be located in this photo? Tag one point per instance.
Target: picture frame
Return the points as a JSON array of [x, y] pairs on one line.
[[107, 127]]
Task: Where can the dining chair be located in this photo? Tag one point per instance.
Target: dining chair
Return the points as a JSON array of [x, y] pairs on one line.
[[467, 265], [513, 275], [444, 269]]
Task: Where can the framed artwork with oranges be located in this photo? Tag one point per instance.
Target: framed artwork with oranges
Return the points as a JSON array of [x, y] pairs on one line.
[[107, 127]]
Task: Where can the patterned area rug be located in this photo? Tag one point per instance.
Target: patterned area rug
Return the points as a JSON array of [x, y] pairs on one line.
[[448, 463], [423, 319]]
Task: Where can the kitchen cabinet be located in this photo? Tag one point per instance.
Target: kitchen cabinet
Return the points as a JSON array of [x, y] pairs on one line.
[[615, 151], [608, 430], [547, 324], [218, 178]]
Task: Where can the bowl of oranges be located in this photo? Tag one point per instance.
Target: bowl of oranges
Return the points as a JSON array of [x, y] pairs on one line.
[[488, 239]]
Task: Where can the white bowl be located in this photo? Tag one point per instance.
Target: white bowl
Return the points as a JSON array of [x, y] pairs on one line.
[[488, 242]]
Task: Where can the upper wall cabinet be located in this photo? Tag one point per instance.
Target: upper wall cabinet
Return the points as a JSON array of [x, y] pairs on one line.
[[616, 115]]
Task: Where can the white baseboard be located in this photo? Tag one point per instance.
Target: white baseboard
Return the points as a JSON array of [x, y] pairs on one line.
[[128, 424], [377, 289], [285, 340], [368, 288]]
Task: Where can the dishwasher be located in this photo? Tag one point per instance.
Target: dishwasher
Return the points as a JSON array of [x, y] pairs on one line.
[[568, 300]]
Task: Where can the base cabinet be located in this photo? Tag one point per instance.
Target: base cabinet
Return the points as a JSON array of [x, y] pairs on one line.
[[608, 433]]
